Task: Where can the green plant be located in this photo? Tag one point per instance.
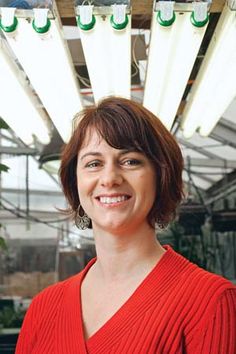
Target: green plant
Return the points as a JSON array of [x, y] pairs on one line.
[[11, 318], [3, 168], [3, 245], [3, 125]]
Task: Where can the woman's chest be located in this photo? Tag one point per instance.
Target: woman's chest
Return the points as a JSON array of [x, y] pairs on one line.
[[100, 305], [127, 332]]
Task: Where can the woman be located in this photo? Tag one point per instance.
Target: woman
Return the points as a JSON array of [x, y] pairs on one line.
[[121, 172]]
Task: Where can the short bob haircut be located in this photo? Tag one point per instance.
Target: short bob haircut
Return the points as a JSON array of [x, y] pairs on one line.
[[125, 124]]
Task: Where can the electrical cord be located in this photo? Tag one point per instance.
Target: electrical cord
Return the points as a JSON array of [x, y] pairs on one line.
[[200, 196], [17, 212], [32, 217], [135, 63], [85, 81]]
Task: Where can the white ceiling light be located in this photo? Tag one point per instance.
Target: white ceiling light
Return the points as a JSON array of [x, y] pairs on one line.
[[214, 87], [17, 105], [177, 31], [106, 39], [45, 58]]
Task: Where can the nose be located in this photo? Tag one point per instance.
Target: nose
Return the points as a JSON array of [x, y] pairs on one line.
[[111, 176]]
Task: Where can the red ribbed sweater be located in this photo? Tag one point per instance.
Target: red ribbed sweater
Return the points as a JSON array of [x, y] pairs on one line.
[[178, 308]]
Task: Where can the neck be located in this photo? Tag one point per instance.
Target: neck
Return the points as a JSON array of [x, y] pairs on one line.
[[126, 254]]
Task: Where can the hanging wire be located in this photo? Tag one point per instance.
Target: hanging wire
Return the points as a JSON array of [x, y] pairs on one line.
[[139, 36], [88, 2], [134, 63], [85, 81], [22, 215], [199, 194]]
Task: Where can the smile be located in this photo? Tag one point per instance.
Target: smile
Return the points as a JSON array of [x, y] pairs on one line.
[[113, 200]]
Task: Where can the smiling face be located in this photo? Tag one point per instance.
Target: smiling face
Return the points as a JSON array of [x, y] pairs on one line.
[[116, 187]]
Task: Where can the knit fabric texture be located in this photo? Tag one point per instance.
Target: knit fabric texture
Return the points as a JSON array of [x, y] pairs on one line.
[[178, 308]]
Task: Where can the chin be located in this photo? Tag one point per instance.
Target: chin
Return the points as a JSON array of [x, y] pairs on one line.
[[114, 223], [120, 227], [113, 226]]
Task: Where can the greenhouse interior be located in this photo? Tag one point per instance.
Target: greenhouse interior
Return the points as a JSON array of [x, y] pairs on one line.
[[176, 58]]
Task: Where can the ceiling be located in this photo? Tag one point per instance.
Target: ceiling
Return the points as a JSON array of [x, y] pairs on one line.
[[210, 163]]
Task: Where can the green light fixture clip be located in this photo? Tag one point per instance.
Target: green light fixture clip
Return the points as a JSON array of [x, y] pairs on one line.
[[8, 21], [166, 15], [86, 20], [41, 23], [200, 16], [119, 18]]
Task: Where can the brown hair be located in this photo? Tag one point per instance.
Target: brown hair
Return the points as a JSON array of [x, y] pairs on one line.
[[125, 124]]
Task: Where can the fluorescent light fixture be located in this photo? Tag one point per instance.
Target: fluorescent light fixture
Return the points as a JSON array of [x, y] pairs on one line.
[[174, 46], [107, 52], [17, 105], [46, 60], [214, 87]]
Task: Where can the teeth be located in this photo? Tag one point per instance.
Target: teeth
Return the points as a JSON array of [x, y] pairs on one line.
[[112, 200]]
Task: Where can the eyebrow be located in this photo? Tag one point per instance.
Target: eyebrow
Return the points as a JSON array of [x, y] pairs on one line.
[[95, 153]]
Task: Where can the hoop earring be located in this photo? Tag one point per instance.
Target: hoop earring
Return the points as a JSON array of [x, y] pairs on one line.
[[82, 222]]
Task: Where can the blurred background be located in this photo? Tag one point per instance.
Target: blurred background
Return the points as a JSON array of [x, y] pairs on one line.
[[178, 59]]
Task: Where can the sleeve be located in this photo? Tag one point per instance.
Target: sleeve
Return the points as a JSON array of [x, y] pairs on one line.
[[27, 336], [219, 334]]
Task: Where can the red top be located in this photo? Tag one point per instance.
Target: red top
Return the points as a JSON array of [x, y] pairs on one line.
[[177, 308]]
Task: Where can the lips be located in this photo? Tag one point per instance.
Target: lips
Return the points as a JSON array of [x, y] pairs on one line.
[[113, 199]]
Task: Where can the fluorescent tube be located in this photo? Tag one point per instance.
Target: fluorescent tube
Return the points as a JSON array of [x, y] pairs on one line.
[[47, 63], [17, 106], [214, 87], [107, 53], [172, 53]]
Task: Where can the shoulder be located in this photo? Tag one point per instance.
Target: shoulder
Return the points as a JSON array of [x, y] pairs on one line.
[[204, 280], [212, 324], [211, 309], [50, 298], [55, 291], [196, 280], [197, 291], [205, 291], [203, 283], [40, 318], [205, 303], [200, 294]]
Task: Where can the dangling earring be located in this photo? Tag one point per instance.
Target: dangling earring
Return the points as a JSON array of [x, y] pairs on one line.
[[82, 222]]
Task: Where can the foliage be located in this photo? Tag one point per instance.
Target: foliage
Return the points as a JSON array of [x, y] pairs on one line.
[[3, 168], [3, 124], [3, 245], [11, 318]]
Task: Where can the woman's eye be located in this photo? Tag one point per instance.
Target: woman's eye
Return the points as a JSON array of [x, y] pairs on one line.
[[93, 164], [132, 162]]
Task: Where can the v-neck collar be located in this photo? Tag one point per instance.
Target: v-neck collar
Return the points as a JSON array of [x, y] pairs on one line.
[[113, 328]]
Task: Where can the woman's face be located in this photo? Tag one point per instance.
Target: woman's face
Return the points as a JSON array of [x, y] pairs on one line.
[[116, 188]]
